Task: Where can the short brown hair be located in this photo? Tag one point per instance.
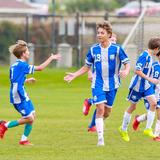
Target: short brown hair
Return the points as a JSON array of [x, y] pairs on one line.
[[105, 25], [18, 48], [158, 54], [154, 43]]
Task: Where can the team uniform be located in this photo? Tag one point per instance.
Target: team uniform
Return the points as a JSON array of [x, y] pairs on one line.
[[139, 87], [155, 74], [18, 94], [106, 63]]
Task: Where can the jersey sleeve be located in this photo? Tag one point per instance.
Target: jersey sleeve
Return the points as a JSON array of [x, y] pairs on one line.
[[123, 56], [156, 70], [89, 58], [141, 62], [28, 69]]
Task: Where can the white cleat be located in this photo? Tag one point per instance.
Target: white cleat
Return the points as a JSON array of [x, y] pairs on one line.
[[100, 142]]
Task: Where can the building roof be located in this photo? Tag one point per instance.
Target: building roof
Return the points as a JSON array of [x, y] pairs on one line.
[[15, 6]]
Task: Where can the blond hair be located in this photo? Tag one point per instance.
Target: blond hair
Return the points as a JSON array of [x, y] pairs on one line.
[[105, 25], [18, 48]]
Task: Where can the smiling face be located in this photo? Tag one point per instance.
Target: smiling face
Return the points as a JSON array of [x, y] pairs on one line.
[[102, 35], [104, 32]]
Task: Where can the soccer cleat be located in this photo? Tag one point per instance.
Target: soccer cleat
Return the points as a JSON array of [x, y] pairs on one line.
[[149, 132], [92, 129], [157, 139], [135, 123], [124, 134], [86, 107], [3, 129], [25, 143], [100, 142]]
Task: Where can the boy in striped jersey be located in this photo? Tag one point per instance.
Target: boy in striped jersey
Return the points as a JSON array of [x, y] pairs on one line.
[[18, 95], [141, 86], [143, 117], [106, 59], [89, 102]]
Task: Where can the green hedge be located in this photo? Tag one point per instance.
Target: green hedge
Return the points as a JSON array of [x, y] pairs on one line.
[[9, 33]]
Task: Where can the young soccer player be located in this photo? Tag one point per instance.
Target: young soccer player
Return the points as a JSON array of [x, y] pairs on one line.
[[106, 58], [18, 94], [141, 87], [143, 117], [89, 102]]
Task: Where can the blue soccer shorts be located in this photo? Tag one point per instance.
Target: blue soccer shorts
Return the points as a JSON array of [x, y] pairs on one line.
[[106, 97], [25, 108], [135, 96]]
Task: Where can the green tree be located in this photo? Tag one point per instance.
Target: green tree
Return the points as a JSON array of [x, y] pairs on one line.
[[91, 5]]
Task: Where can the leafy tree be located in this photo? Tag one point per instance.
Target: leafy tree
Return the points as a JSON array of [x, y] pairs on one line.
[[90, 5]]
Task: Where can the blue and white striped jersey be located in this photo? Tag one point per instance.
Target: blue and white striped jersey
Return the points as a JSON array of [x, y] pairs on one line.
[[18, 72], [144, 64], [156, 74], [106, 65]]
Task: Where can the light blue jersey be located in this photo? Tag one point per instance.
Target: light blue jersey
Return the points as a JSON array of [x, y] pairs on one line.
[[155, 74], [106, 65], [144, 64], [18, 72], [156, 70]]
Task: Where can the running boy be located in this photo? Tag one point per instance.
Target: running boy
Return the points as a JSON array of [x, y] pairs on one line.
[[106, 58], [89, 102], [141, 86], [18, 95], [143, 117]]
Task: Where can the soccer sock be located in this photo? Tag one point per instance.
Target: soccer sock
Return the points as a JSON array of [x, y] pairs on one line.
[[90, 100], [157, 128], [150, 119], [99, 127], [27, 129], [23, 138], [142, 118], [126, 121], [93, 123], [11, 124]]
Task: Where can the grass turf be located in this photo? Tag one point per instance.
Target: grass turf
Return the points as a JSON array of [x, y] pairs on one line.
[[60, 130]]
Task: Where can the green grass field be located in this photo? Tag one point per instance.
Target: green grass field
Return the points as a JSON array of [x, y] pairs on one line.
[[60, 130]]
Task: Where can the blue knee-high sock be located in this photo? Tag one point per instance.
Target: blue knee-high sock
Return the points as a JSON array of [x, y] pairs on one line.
[[27, 129], [12, 124], [93, 123]]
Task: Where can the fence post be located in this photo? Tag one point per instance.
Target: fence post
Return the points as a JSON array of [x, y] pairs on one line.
[[27, 29], [31, 48], [77, 40]]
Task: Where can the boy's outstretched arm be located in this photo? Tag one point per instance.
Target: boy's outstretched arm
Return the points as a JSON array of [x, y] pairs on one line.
[[70, 76], [47, 62], [150, 79]]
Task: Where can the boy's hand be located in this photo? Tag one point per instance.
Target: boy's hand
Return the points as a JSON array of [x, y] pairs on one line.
[[123, 73], [55, 56], [69, 77], [30, 80]]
